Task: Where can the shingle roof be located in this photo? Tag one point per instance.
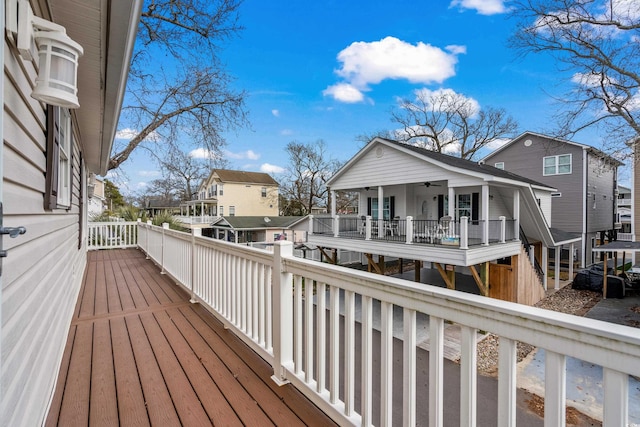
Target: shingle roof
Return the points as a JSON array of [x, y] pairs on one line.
[[227, 175], [160, 204], [253, 222], [469, 165]]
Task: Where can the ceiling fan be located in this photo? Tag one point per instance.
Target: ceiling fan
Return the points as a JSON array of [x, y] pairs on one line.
[[429, 184]]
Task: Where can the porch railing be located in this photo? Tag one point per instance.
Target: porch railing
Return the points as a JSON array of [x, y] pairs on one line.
[[112, 235], [461, 233], [301, 317]]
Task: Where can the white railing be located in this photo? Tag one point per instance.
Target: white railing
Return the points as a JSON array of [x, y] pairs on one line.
[[625, 237], [302, 316], [112, 235], [206, 219]]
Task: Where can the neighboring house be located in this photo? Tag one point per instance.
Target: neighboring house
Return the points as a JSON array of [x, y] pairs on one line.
[[95, 195], [49, 152], [420, 205], [158, 206], [585, 179], [625, 209], [248, 229], [233, 193]]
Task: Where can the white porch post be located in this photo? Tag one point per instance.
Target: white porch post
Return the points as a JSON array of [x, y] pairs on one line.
[[380, 211], [451, 205], [409, 230], [310, 231], [367, 228], [464, 232], [516, 214], [336, 225], [485, 215], [503, 230], [333, 203], [556, 283], [282, 316], [545, 266]]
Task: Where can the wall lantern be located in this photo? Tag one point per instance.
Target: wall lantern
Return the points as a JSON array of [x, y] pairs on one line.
[[56, 83]]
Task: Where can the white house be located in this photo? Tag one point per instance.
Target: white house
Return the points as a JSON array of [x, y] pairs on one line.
[[430, 207], [50, 149]]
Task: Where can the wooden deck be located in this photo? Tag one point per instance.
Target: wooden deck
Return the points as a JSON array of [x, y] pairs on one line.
[[138, 353]]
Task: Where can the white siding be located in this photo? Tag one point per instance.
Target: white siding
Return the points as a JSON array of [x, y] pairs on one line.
[[42, 274]]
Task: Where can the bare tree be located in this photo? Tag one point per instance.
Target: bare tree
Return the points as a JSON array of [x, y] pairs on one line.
[[185, 171], [596, 41], [305, 183], [178, 90], [448, 122]]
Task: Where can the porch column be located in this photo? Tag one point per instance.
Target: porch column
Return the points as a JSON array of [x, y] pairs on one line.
[[452, 203], [556, 284], [380, 211], [516, 214], [333, 203], [545, 266], [485, 215]]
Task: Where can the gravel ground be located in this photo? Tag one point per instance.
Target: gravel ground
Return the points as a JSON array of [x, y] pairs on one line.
[[565, 300]]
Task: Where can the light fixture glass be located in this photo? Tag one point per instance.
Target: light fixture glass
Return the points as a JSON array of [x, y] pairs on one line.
[[56, 83]]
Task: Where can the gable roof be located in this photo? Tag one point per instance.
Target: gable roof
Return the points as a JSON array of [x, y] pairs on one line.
[[588, 148], [445, 161], [258, 222], [226, 175]]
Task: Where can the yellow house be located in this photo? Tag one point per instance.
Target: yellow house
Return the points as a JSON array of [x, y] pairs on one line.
[[234, 193]]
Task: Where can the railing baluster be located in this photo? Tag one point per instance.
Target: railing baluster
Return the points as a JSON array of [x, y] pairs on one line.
[[297, 324], [409, 368], [321, 336], [555, 388], [507, 359], [308, 330], [386, 350], [366, 407], [349, 352], [468, 376], [616, 398], [334, 346], [436, 370]]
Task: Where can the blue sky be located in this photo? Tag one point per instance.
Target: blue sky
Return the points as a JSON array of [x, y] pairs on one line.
[[333, 70]]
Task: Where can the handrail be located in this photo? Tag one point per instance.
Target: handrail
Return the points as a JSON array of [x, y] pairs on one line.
[[298, 314], [528, 247]]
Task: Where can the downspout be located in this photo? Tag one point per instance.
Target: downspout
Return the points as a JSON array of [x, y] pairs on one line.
[[2, 18], [585, 171]]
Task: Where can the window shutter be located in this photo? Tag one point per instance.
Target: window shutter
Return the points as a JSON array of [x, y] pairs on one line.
[[53, 158], [368, 206], [392, 207], [81, 202], [475, 202], [441, 206]]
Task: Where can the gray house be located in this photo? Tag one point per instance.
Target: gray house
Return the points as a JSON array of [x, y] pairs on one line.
[[586, 180]]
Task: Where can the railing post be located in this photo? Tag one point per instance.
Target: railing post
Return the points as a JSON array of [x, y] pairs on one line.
[[195, 232], [336, 226], [165, 226], [367, 228], [464, 232], [503, 229], [409, 226], [282, 312], [149, 223], [310, 225]]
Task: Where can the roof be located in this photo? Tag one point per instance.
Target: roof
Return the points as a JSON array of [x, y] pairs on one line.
[[618, 245], [564, 237], [257, 222], [588, 148], [226, 175], [465, 164], [107, 31]]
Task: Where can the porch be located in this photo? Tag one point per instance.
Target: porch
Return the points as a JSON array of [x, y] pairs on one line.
[[139, 353], [347, 340]]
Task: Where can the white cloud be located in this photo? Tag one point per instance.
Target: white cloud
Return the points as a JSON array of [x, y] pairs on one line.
[[483, 7], [202, 153], [249, 154], [286, 132], [149, 173], [269, 168], [445, 100], [497, 143], [276, 113], [344, 92], [367, 63], [128, 134]]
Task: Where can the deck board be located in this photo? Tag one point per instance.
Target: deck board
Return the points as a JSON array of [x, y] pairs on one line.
[[138, 353]]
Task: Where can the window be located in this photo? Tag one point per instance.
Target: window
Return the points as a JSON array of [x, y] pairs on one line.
[[264, 191], [220, 189], [221, 210], [499, 165], [464, 206], [59, 146], [388, 209], [232, 211], [557, 165]]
